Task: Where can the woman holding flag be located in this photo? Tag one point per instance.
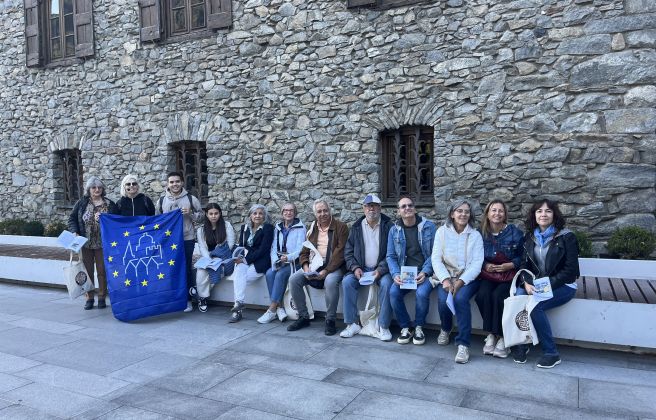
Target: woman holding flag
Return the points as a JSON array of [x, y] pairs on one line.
[[85, 221]]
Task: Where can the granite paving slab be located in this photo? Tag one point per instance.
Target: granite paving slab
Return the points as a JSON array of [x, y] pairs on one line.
[[617, 398], [235, 358], [10, 363], [8, 317], [5, 403], [196, 333], [96, 411], [112, 337], [376, 360], [64, 313], [285, 347], [174, 404], [72, 380], [6, 326], [385, 406], [298, 369], [93, 356], [284, 395], [25, 341], [507, 378], [48, 326], [22, 412], [132, 413], [51, 400], [9, 382], [608, 374], [403, 387], [197, 378], [243, 413], [180, 347], [157, 365], [523, 407]]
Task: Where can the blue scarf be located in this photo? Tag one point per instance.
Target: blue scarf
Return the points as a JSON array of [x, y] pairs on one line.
[[543, 238]]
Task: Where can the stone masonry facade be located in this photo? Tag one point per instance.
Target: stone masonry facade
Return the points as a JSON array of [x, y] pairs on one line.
[[527, 98]]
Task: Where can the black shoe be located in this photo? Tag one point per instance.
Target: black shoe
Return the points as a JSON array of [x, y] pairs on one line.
[[237, 307], [235, 317], [330, 327], [102, 304], [298, 324], [406, 336], [89, 304], [519, 353], [547, 362], [202, 304]]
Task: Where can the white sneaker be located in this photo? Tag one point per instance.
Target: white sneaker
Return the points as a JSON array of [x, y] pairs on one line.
[[267, 317], [490, 342], [463, 354], [385, 334], [350, 331], [500, 349], [282, 315], [189, 307], [443, 338]]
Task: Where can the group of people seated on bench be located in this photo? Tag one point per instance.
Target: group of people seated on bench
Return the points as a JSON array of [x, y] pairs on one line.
[[456, 259]]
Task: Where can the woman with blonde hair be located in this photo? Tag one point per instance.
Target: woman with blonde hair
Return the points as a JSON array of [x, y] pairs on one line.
[[133, 202]]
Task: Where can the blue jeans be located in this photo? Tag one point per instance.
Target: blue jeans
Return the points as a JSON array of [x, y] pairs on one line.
[[561, 296], [277, 282], [463, 311], [350, 287], [422, 302]]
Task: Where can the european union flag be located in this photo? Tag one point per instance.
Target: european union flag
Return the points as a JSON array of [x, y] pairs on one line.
[[145, 264]]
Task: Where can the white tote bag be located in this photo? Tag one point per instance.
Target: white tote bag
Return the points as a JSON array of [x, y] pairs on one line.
[[369, 316], [516, 320], [290, 306], [76, 278]]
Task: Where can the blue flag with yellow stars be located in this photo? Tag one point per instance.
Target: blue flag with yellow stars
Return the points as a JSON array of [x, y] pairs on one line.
[[145, 264]]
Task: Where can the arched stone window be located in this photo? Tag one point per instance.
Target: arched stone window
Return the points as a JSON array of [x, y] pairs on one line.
[[407, 162], [191, 160]]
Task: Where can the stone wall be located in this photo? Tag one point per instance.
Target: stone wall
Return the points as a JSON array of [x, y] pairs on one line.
[[527, 98]]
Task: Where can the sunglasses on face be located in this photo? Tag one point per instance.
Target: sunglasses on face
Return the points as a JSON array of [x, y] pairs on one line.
[[96, 187], [131, 184], [407, 206]]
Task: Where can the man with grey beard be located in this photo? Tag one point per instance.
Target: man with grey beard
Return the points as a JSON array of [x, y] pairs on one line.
[[364, 255]]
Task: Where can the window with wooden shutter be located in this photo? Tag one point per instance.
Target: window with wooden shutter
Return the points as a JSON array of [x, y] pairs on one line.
[[33, 50], [407, 162], [384, 4], [182, 19], [191, 161], [58, 31]]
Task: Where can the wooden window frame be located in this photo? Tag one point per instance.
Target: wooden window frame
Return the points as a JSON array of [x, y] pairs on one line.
[[190, 159], [38, 48], [156, 23], [382, 4], [72, 175], [401, 156]]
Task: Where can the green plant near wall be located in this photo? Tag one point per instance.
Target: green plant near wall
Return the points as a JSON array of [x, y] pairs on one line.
[[12, 227], [33, 228], [632, 242], [585, 244], [54, 229]]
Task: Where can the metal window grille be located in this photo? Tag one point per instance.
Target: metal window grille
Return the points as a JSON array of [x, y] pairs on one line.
[[191, 161], [407, 162], [71, 161]]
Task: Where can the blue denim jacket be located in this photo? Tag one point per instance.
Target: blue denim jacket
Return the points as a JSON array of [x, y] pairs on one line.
[[396, 246], [510, 241]]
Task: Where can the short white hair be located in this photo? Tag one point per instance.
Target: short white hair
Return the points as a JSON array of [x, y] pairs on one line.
[[320, 201]]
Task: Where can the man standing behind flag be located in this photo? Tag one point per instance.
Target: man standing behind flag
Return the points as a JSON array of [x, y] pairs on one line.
[[176, 197]]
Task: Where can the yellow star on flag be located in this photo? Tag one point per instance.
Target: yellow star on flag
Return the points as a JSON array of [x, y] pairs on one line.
[[142, 227], [110, 259], [127, 282], [144, 283], [174, 246], [168, 233], [114, 243], [126, 233], [156, 226], [171, 262], [160, 276], [115, 273]]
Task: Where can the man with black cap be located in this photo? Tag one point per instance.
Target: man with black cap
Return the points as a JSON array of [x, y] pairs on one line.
[[364, 255]]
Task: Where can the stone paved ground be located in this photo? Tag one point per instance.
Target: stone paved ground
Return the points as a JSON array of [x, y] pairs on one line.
[[59, 361]]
